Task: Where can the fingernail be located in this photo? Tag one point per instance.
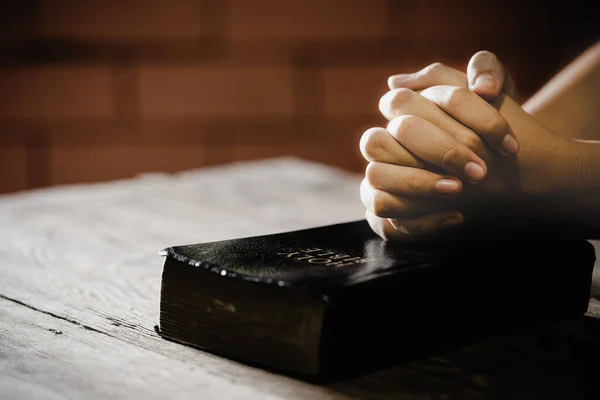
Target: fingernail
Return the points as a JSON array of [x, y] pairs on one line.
[[447, 186], [474, 171], [453, 220], [510, 144], [485, 81]]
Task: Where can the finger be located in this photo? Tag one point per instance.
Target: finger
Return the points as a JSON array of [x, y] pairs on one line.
[[383, 228], [510, 88], [474, 112], [485, 74], [414, 228], [429, 224], [400, 102], [430, 143], [434, 74], [411, 182], [377, 145], [387, 205]]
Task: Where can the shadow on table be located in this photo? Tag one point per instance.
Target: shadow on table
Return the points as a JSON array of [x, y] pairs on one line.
[[558, 361]]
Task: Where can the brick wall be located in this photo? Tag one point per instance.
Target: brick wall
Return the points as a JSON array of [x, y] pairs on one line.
[[105, 89]]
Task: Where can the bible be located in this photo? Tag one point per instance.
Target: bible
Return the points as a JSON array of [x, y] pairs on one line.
[[325, 302]]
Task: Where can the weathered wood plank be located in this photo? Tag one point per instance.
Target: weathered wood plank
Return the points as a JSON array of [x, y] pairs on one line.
[[43, 356], [51, 358], [86, 258], [92, 252], [89, 254]]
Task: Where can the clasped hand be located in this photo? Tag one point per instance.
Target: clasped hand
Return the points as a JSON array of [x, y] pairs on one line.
[[456, 142]]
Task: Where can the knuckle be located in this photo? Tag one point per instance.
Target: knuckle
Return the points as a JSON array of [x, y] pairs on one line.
[[367, 195], [365, 192], [382, 233], [408, 227], [375, 224], [378, 205], [382, 206], [485, 56], [496, 125], [386, 231], [380, 230], [400, 97], [372, 173], [413, 229], [400, 127], [372, 143], [447, 153], [416, 184], [436, 68], [472, 140], [456, 96]]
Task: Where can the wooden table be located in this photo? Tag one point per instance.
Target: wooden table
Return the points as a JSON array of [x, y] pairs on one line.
[[79, 296]]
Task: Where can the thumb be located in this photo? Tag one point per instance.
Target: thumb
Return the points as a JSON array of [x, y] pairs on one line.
[[485, 74]]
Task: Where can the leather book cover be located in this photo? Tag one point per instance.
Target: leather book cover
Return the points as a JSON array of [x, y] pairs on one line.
[[335, 300]]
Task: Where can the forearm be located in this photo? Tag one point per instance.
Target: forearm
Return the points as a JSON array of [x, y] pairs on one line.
[[569, 103], [560, 177], [580, 205]]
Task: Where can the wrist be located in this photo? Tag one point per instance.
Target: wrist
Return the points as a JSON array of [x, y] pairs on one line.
[[576, 201], [554, 166], [589, 165]]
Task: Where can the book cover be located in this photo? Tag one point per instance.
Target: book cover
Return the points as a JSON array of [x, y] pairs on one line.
[[335, 300]]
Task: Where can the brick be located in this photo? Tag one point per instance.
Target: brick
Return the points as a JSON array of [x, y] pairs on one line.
[[401, 55], [444, 20], [104, 162], [107, 160], [344, 156], [217, 155], [115, 20], [309, 19], [345, 130], [211, 91], [221, 131], [13, 20], [335, 140], [13, 169], [55, 92], [355, 90]]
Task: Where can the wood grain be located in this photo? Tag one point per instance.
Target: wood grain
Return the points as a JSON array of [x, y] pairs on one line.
[[80, 279], [49, 357]]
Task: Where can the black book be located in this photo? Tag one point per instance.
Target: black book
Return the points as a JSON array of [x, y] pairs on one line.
[[330, 301]]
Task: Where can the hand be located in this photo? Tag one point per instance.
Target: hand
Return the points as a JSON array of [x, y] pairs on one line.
[[411, 186], [486, 76]]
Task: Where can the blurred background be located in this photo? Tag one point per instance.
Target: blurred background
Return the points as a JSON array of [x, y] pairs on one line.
[[98, 90]]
